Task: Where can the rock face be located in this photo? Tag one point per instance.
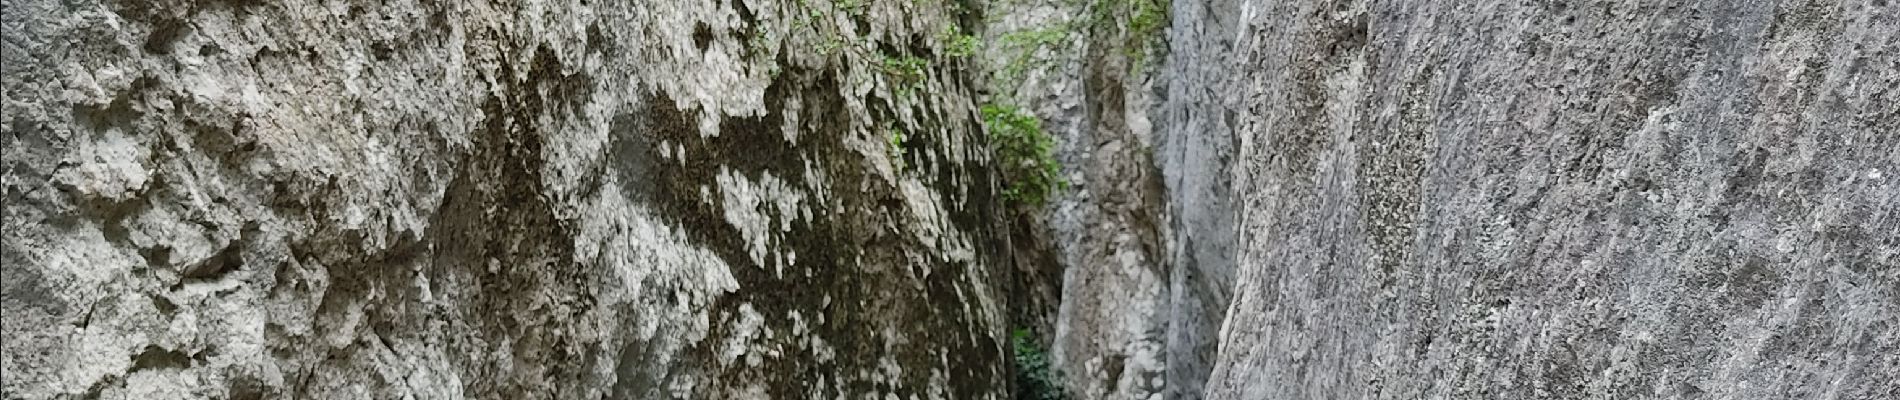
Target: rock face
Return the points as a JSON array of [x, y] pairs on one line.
[[759, 199], [1195, 156], [1090, 74], [1145, 235], [1502, 199], [729, 199]]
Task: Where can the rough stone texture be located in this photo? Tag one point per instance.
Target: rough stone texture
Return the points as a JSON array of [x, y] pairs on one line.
[[1110, 336], [1032, 56], [1195, 155], [1566, 199], [1355, 199], [416, 199], [1092, 81]]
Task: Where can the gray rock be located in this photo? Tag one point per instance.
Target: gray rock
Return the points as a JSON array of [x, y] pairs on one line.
[[527, 200], [786, 199], [1195, 155], [1566, 200], [1093, 81]]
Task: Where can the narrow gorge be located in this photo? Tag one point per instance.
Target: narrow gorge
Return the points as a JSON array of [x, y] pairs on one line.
[[963, 199]]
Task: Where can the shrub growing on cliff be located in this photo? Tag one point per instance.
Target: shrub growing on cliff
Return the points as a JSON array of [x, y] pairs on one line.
[[958, 44], [909, 73], [1035, 380], [1025, 154], [1146, 23], [897, 148]]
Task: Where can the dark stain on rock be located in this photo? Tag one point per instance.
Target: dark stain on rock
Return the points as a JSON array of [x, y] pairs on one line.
[[640, 370], [1392, 170], [162, 304], [751, 147], [119, 113], [745, 13], [702, 36], [1347, 37], [164, 33], [1754, 283], [848, 251], [381, 51], [597, 41], [634, 158], [247, 387], [1112, 366], [225, 261], [497, 243], [22, 286], [1740, 185], [154, 357]]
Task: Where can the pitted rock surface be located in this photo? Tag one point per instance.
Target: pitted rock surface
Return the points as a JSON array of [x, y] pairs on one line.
[[409, 199], [1502, 199]]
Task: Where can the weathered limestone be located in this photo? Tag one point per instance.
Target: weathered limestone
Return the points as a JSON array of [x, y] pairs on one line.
[[1145, 236], [757, 199], [1507, 199], [1091, 79], [1195, 156], [494, 200]]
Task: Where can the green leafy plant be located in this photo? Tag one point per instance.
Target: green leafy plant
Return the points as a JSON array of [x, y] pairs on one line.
[[958, 44], [897, 148], [1035, 378], [1020, 48], [908, 72], [1025, 154], [1145, 24], [850, 7]]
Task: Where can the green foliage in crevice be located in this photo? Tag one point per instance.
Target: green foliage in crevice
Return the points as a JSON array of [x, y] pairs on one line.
[[1021, 48], [907, 70], [1146, 21], [1140, 24], [1024, 154], [1135, 27], [897, 148], [1035, 377], [958, 44], [907, 73]]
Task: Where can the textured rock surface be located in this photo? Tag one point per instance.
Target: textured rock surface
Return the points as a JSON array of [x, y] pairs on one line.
[[1145, 236], [1194, 155], [519, 200], [793, 199], [1033, 56], [1508, 199], [1091, 79]]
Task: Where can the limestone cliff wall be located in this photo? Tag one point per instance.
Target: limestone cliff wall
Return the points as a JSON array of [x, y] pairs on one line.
[[1507, 199], [419, 199], [1137, 93], [1092, 79], [1195, 155], [758, 199]]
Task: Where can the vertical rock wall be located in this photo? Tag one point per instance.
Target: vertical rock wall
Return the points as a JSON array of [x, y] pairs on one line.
[[337, 199], [1136, 93], [1195, 155], [1601, 199], [1092, 79], [794, 199]]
